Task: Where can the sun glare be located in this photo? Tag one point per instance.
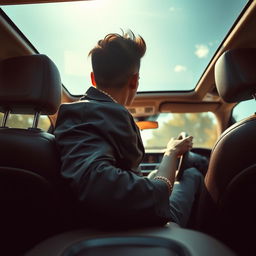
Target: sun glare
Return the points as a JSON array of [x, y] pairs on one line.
[[180, 36]]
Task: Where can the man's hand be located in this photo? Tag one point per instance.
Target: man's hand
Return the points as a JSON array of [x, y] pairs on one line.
[[179, 146]]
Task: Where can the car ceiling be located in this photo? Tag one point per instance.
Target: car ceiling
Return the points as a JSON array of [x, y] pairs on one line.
[[12, 2], [204, 96]]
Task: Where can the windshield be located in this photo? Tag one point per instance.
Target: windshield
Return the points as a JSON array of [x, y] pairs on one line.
[[181, 36], [202, 126]]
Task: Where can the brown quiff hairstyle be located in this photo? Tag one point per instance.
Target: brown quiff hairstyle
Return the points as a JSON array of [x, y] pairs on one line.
[[116, 58]]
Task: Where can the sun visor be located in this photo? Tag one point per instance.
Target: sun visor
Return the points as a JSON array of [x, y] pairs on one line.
[[235, 75]]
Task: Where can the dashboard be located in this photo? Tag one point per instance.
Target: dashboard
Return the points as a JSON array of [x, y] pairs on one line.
[[153, 158], [151, 161]]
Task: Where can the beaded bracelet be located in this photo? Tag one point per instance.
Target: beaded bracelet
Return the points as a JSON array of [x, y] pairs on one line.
[[167, 182]]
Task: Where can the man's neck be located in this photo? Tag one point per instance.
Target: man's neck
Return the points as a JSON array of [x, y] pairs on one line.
[[118, 96]]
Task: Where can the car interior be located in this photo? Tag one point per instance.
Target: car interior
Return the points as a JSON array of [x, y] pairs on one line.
[[36, 208]]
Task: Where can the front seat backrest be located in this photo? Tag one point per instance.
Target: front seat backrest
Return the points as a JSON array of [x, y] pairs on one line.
[[226, 207], [29, 160], [29, 85]]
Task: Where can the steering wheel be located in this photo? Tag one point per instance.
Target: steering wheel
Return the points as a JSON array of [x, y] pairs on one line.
[[191, 159], [183, 160]]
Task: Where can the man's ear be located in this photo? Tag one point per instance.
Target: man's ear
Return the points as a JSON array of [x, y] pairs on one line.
[[134, 82], [93, 79]]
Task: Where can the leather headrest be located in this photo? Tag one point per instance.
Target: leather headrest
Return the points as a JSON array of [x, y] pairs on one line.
[[29, 84], [235, 74]]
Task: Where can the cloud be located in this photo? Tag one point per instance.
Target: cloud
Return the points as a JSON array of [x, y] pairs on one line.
[[180, 68], [201, 51]]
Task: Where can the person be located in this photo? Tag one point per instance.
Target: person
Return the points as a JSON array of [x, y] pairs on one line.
[[101, 148]]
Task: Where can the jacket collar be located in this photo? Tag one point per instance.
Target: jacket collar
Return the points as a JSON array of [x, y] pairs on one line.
[[94, 94]]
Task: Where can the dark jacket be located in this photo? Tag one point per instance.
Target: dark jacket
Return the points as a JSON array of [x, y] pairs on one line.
[[101, 150]]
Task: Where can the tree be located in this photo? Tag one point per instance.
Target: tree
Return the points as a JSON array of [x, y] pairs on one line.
[[26, 121], [202, 126]]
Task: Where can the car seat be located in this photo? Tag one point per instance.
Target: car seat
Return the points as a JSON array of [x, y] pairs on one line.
[[29, 161], [227, 206]]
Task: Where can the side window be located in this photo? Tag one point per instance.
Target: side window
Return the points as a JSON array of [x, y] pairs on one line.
[[244, 109], [25, 121]]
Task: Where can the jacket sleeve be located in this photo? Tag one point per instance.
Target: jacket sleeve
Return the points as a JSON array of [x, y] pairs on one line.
[[89, 162]]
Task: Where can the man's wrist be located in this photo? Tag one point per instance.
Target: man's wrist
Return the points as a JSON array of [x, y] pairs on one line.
[[171, 152], [166, 181]]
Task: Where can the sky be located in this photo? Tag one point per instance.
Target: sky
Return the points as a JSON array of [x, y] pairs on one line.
[[181, 36]]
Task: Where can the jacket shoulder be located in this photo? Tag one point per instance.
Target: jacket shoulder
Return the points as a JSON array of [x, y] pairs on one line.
[[90, 110]]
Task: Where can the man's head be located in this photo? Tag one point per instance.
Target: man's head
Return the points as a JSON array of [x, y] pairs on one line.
[[116, 60]]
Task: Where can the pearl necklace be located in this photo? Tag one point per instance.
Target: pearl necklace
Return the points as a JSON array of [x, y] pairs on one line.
[[107, 95]]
